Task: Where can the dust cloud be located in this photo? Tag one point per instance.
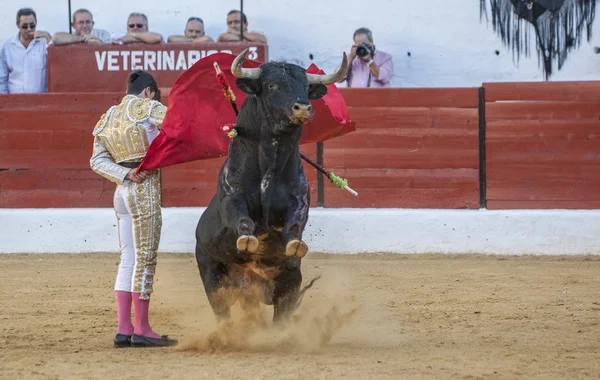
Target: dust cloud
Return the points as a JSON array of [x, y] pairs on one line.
[[326, 309]]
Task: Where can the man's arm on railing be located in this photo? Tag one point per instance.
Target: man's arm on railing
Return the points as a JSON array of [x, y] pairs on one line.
[[145, 37], [184, 39], [234, 37], [62, 38]]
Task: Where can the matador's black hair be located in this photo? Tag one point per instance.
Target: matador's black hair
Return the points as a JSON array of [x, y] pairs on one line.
[[138, 80]]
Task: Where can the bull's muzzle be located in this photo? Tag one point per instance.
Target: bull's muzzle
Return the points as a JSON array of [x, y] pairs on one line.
[[301, 113]]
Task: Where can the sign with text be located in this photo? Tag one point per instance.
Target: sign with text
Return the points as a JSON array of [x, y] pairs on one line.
[[104, 68]]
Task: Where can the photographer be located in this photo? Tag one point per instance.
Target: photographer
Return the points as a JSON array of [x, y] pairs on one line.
[[368, 67]]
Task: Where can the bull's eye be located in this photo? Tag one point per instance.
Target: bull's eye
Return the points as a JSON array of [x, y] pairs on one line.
[[272, 86]]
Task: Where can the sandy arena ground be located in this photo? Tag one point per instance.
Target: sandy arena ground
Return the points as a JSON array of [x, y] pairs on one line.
[[387, 316]]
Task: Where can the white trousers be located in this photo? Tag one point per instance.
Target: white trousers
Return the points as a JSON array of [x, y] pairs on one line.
[[138, 211]]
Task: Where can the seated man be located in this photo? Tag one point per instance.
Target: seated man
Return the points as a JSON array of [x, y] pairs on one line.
[[194, 32], [368, 67], [23, 59], [235, 20], [137, 31], [83, 23]]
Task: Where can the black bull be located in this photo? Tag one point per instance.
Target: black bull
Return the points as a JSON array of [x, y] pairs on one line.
[[251, 232]]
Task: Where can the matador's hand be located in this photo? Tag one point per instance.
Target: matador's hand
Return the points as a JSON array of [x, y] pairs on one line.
[[137, 178]]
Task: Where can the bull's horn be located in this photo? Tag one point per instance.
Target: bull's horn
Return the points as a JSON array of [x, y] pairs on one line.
[[329, 78], [239, 72]]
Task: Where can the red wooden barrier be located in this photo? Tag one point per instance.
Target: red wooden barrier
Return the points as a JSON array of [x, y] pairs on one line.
[[46, 143], [524, 91], [413, 148], [97, 68], [45, 148], [543, 144], [194, 184]]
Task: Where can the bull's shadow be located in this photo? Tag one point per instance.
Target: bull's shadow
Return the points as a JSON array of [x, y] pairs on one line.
[[250, 236]]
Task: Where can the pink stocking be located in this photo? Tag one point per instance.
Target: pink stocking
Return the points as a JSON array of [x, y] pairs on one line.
[[124, 313], [142, 324]]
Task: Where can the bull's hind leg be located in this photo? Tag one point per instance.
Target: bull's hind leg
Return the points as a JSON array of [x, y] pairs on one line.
[[213, 275], [286, 291]]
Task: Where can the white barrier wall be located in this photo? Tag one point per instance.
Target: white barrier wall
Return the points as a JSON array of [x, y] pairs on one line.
[[447, 42], [543, 232]]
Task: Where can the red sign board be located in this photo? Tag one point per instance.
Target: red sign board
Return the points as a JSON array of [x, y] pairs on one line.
[[104, 68]]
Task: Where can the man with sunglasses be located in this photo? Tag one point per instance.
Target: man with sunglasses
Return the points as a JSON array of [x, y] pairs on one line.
[[137, 31], [122, 137], [23, 58], [83, 23]]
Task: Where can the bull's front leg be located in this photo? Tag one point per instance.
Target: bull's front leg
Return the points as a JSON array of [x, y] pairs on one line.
[[234, 212], [296, 219]]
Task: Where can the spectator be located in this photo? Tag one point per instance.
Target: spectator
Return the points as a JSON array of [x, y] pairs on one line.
[[235, 20], [194, 32], [23, 58], [83, 23], [368, 67], [137, 31]]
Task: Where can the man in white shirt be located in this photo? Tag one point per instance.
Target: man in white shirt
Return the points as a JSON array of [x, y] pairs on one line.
[[23, 58], [83, 23]]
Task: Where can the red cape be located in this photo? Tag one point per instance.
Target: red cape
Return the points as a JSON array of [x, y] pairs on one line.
[[197, 111]]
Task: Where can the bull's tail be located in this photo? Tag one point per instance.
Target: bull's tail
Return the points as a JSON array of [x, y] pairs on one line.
[[303, 290]]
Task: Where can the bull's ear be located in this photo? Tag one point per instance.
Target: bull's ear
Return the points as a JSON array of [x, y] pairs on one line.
[[316, 91], [247, 85]]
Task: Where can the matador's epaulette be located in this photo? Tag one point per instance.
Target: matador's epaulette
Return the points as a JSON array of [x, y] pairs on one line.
[[102, 122], [140, 109]]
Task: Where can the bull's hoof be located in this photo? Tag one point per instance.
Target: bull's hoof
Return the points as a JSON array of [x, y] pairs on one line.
[[247, 243], [296, 248]]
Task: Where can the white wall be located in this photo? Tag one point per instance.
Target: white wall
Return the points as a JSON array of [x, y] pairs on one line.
[[410, 231], [449, 45]]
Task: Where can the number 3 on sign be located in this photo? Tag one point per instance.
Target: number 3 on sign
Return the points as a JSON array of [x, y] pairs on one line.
[[253, 52]]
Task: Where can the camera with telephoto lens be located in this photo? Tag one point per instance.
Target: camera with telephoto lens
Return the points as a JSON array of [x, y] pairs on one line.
[[363, 50]]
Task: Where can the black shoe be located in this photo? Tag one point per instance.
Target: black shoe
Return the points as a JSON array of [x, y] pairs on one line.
[[122, 341], [144, 341]]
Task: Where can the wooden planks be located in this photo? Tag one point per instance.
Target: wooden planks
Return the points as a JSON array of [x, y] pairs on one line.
[[411, 97], [406, 188], [563, 91], [543, 145], [551, 110], [54, 187], [193, 184], [60, 102], [413, 148], [45, 147]]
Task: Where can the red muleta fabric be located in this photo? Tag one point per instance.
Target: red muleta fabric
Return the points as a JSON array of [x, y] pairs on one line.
[[198, 110]]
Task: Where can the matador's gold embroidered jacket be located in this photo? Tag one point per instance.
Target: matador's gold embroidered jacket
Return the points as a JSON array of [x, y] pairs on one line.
[[123, 134]]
